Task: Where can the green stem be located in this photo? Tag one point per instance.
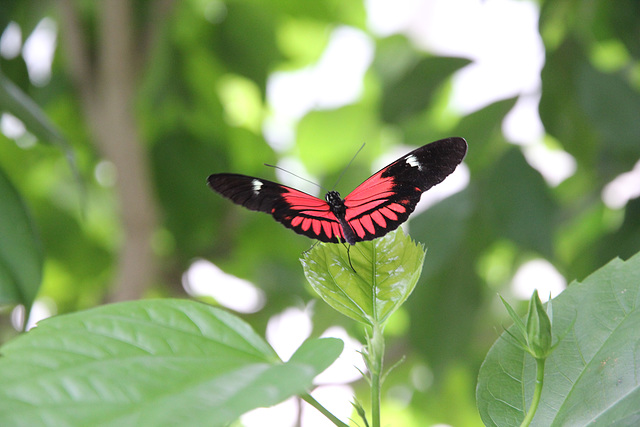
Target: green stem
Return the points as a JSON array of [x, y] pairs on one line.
[[25, 320], [313, 402], [537, 392], [376, 357]]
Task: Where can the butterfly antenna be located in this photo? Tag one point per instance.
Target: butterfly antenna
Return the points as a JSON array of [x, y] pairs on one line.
[[349, 164], [297, 176]]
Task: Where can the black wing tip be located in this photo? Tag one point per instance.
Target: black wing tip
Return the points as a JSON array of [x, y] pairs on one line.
[[216, 179], [213, 176], [459, 141], [211, 180], [455, 144], [462, 145]]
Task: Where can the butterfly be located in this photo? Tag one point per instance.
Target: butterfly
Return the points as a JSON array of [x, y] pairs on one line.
[[377, 206]]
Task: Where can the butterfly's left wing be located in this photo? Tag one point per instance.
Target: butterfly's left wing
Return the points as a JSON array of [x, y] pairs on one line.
[[303, 213], [387, 198]]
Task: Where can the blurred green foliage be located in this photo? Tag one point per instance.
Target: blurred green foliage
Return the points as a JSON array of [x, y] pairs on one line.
[[210, 64]]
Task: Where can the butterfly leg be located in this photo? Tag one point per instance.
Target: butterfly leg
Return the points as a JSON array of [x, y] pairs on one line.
[[309, 250], [349, 258]]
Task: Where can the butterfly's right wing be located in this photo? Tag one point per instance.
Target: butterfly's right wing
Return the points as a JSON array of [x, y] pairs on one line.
[[387, 198], [303, 213]]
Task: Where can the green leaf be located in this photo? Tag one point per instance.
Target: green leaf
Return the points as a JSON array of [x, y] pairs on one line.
[[560, 109], [320, 353], [621, 17], [13, 100], [518, 204], [246, 40], [593, 375], [21, 256], [16, 102], [443, 228], [415, 89], [154, 362], [483, 130], [610, 103], [518, 324], [386, 271]]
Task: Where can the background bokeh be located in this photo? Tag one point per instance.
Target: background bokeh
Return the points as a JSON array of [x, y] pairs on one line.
[[152, 97]]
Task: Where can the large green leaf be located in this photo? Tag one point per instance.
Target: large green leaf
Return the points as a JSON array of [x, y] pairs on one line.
[[622, 19], [20, 251], [384, 273], [518, 205], [593, 376], [483, 131], [560, 109], [246, 40], [443, 228], [414, 90], [611, 104], [152, 363], [445, 305]]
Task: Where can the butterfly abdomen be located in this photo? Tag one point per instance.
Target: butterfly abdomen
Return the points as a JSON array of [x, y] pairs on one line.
[[340, 210]]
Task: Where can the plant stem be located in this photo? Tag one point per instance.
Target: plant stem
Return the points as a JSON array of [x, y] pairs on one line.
[[537, 392], [376, 356], [313, 402]]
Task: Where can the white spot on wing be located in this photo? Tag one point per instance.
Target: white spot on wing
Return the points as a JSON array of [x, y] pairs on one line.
[[413, 162], [257, 185]]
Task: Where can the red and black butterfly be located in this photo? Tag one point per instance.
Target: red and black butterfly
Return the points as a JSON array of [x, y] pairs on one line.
[[376, 207]]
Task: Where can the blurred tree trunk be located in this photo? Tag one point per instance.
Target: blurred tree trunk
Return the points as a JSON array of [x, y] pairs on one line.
[[107, 88]]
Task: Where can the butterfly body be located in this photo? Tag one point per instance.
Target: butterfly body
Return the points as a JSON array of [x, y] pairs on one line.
[[378, 205], [339, 209]]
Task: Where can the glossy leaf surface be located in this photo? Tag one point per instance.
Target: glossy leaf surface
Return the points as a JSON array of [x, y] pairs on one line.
[[153, 362], [386, 271], [593, 376]]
